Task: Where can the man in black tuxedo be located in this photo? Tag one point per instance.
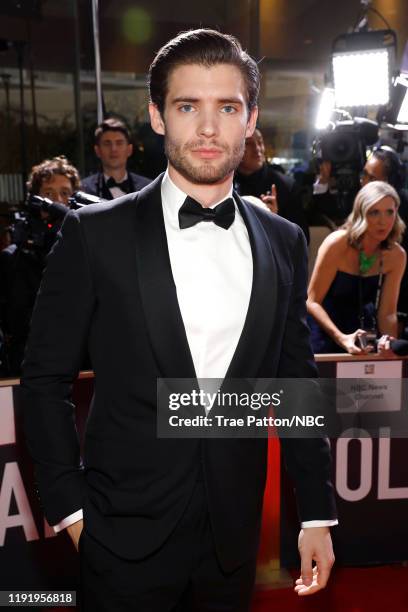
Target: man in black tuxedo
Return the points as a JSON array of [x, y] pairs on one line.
[[200, 284], [113, 147]]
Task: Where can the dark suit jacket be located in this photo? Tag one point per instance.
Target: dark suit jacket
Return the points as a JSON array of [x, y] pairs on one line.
[[95, 184], [118, 298]]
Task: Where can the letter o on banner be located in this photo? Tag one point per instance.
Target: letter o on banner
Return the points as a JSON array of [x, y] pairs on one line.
[[342, 463]]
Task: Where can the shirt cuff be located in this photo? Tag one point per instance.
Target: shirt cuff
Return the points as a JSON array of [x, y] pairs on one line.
[[69, 520], [331, 523], [320, 188]]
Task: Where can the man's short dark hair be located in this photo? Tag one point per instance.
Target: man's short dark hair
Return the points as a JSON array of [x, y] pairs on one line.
[[47, 169], [206, 48], [393, 167], [113, 124]]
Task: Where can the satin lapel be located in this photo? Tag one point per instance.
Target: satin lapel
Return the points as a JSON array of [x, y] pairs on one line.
[[259, 321], [157, 288]]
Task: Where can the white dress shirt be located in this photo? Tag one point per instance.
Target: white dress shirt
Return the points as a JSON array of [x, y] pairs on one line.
[[212, 271]]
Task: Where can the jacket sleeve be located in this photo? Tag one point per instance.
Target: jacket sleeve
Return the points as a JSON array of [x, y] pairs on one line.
[[307, 459], [58, 337]]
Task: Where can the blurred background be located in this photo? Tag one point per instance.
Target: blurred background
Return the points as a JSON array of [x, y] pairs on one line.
[[334, 90], [48, 45]]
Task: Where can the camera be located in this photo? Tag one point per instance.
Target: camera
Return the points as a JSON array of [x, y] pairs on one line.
[[369, 338], [344, 145], [35, 228]]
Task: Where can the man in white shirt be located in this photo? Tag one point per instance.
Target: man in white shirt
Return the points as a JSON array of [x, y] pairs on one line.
[[201, 285]]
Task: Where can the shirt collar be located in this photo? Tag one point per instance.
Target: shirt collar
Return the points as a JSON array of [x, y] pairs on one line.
[[124, 178], [173, 197]]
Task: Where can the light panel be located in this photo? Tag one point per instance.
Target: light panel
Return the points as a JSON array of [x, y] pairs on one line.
[[361, 78], [326, 108]]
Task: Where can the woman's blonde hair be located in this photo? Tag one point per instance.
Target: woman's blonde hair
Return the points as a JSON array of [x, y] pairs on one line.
[[356, 223]]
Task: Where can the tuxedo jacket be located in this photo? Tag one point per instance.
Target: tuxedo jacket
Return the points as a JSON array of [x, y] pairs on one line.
[[117, 298], [95, 184]]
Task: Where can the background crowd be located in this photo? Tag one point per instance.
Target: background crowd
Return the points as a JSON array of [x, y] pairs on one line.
[[358, 293]]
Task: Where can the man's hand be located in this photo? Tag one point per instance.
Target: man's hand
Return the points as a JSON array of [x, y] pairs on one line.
[[271, 200], [74, 532], [314, 545], [384, 347]]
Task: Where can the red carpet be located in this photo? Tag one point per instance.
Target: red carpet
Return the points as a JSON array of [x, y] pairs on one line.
[[375, 589]]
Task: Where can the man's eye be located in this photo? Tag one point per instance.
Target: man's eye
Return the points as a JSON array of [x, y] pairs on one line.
[[186, 108], [228, 109]]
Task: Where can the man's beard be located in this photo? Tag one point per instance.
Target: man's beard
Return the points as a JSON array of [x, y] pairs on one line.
[[204, 173]]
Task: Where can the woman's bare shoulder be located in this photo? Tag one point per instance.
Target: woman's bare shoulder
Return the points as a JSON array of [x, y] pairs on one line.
[[394, 255], [336, 242]]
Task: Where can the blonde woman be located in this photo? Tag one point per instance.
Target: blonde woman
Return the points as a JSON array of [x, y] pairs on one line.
[[356, 279]]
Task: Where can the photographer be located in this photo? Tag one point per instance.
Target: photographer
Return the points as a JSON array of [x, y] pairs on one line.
[[34, 235], [55, 179], [341, 152], [328, 209], [353, 292]]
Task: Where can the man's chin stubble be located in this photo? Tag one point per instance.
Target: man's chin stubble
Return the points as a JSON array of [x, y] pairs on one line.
[[205, 174], [202, 175]]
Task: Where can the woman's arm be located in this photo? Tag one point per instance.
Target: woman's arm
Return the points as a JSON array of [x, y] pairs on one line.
[[326, 266], [387, 312]]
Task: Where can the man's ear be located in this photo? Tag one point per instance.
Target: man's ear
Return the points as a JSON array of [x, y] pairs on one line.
[[129, 149], [97, 153], [156, 120], [252, 119]]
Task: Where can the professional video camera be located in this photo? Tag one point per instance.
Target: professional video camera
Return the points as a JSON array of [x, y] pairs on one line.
[[34, 232], [344, 145], [35, 227]]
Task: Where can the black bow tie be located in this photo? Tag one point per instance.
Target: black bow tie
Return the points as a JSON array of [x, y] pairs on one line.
[[192, 212], [123, 186]]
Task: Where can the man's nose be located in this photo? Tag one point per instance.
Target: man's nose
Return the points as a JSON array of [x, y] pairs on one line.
[[208, 124]]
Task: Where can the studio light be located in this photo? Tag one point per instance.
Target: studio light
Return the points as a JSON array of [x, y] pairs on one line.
[[325, 110], [362, 65], [361, 79]]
